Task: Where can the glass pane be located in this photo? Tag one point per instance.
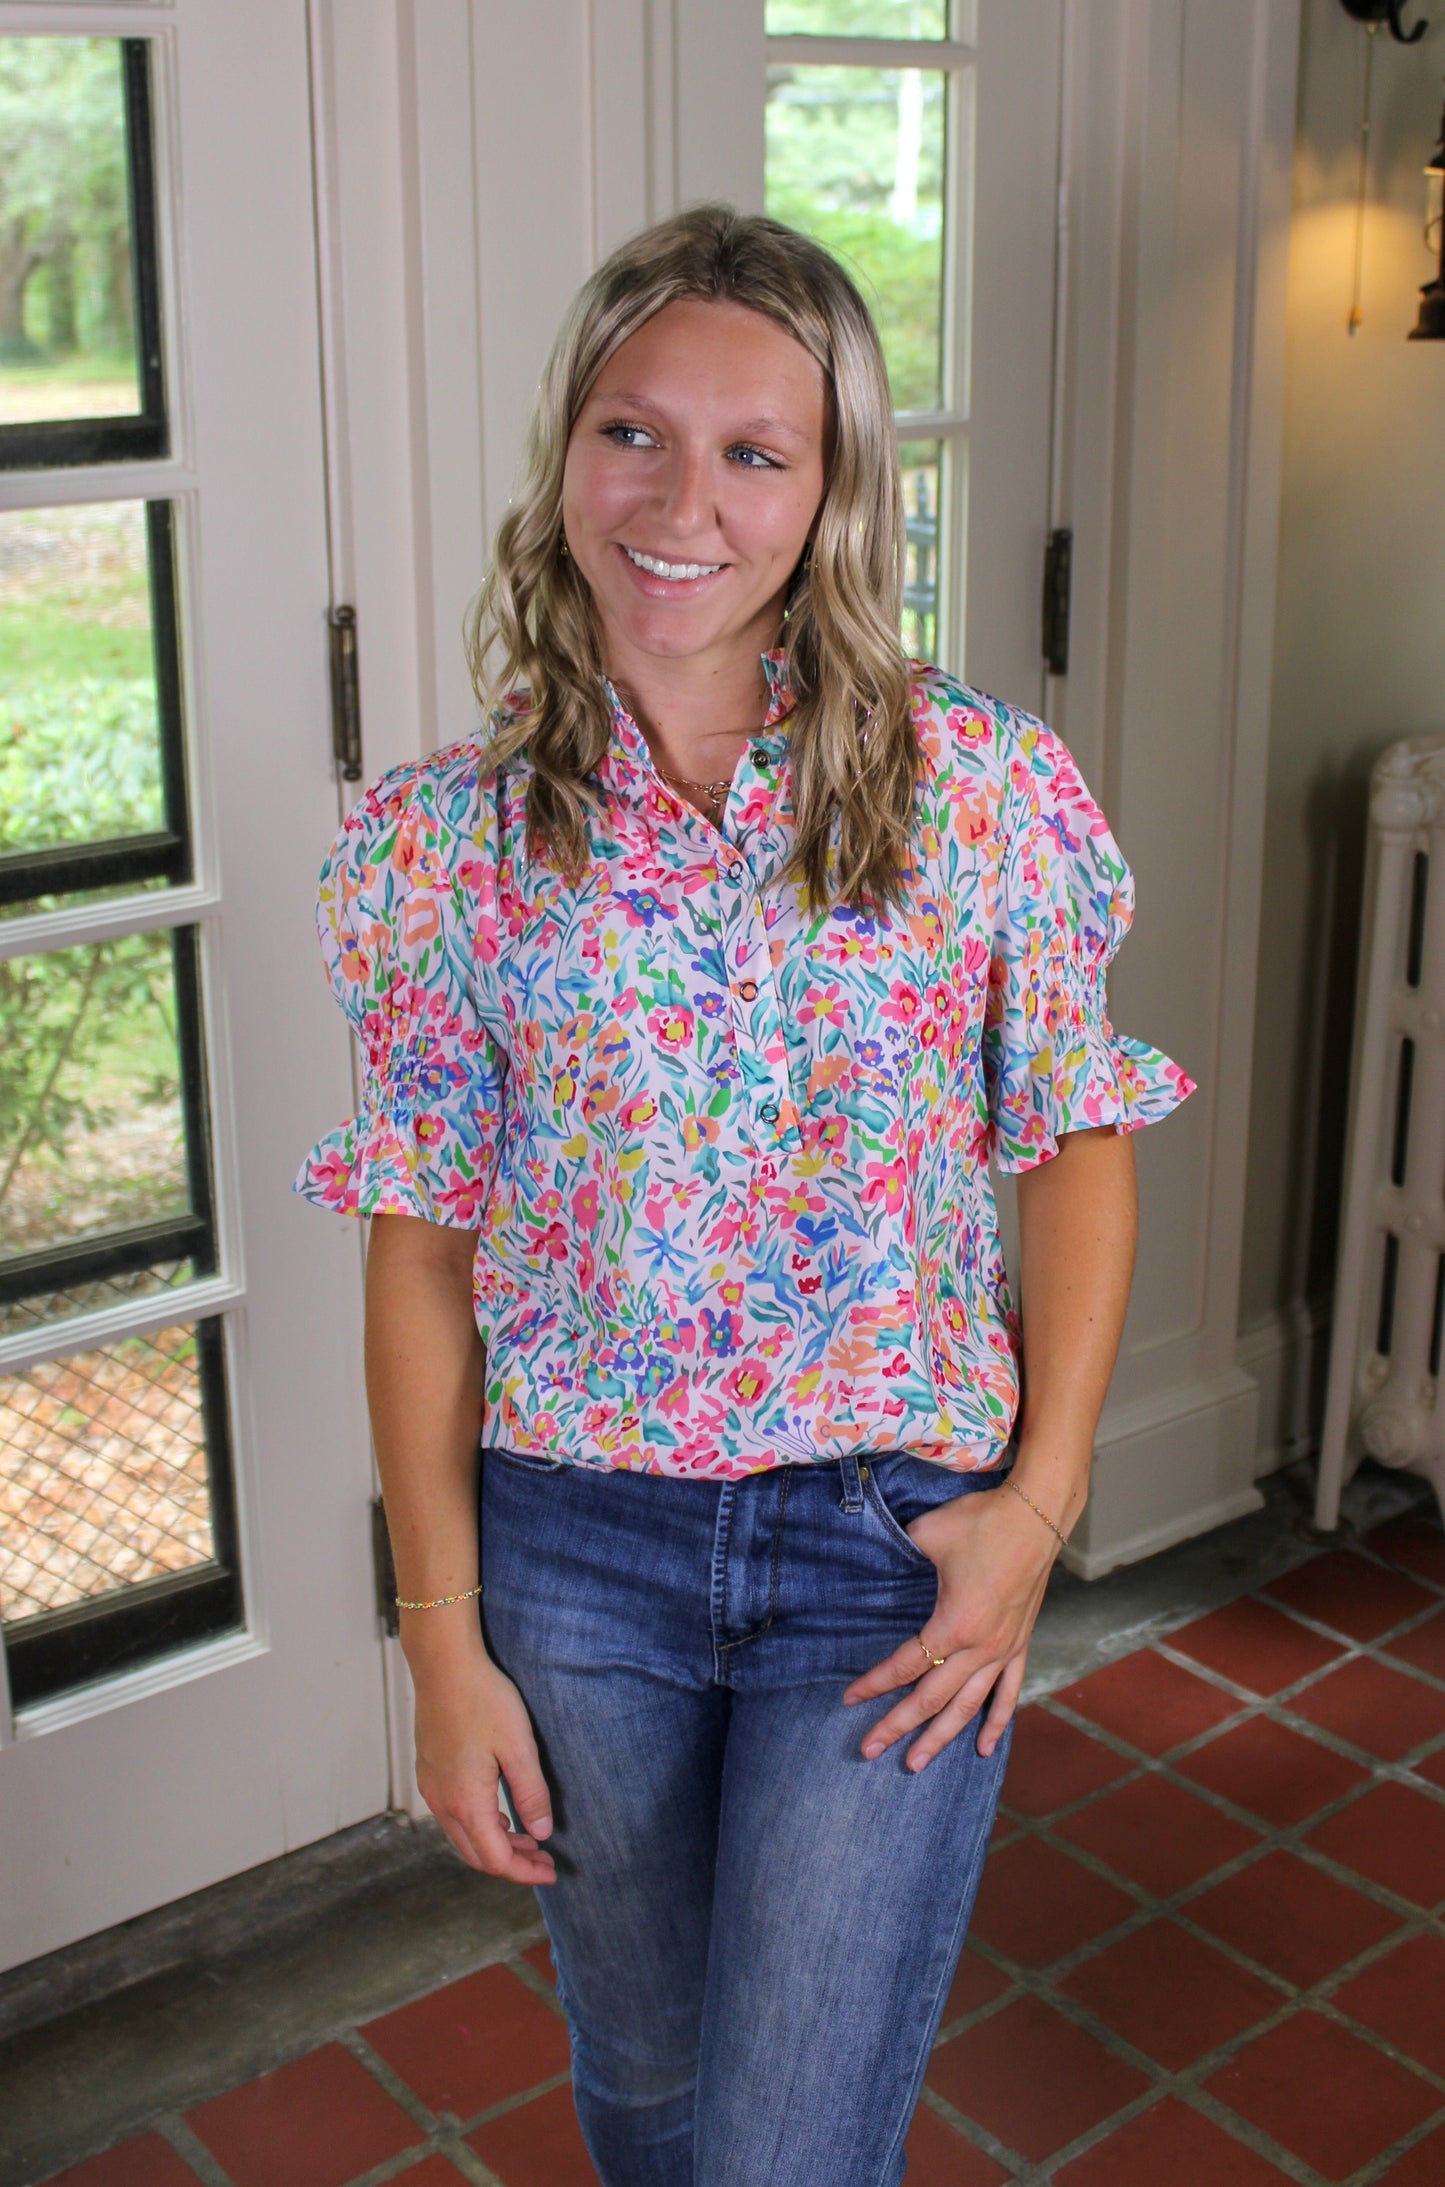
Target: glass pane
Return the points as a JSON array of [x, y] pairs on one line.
[[922, 466], [73, 899], [80, 739], [91, 1295], [857, 18], [103, 1475], [92, 1136], [67, 313], [856, 158]]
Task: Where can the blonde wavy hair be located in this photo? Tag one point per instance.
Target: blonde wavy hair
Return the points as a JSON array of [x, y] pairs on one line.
[[854, 752]]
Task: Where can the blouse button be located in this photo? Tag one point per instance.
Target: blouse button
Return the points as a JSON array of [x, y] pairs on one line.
[[760, 756], [769, 1112], [748, 990]]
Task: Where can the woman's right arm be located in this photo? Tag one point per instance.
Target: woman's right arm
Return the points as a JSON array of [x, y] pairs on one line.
[[424, 1365]]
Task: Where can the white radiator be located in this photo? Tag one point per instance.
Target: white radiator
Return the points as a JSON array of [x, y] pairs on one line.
[[1385, 1345]]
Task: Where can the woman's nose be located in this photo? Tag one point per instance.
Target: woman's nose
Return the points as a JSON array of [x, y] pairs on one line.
[[688, 497]]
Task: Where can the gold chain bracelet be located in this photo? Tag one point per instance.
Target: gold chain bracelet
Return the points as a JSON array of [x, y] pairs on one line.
[[1048, 1522], [440, 1602]]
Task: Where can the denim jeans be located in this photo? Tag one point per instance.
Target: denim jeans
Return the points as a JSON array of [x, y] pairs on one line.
[[754, 1928]]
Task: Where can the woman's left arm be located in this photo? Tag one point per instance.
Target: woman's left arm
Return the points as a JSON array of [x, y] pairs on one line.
[[1078, 1224]]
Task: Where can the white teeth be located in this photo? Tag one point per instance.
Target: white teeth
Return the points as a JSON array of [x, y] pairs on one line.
[[676, 571]]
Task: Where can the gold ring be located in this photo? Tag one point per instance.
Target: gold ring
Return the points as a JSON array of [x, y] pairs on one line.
[[937, 1661]]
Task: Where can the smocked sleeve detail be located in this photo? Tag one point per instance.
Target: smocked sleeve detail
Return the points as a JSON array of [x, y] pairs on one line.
[[1053, 1062], [400, 955]]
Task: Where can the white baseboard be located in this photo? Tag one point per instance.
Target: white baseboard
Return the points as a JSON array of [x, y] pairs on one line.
[[1166, 1470], [1286, 1354], [406, 1798], [1189, 1460]]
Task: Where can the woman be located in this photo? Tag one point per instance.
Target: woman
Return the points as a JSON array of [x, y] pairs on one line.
[[694, 1003]]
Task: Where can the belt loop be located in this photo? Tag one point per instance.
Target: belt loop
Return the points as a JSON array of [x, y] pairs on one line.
[[852, 1496]]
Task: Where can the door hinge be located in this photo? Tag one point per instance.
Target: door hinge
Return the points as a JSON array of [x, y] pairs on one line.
[[384, 1571], [345, 693], [1058, 580]]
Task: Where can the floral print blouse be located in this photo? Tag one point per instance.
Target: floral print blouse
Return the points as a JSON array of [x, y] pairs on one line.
[[727, 1161]]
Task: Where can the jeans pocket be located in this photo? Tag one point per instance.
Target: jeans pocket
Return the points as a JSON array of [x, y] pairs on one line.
[[901, 1488], [523, 1461], [893, 1526]]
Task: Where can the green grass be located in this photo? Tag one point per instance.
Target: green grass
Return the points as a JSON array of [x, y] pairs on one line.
[[84, 365], [79, 384], [53, 644]]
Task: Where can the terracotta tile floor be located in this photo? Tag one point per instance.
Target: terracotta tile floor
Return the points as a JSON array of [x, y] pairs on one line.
[[1209, 1949]]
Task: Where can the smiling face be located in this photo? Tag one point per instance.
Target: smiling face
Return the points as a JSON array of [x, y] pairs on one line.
[[694, 473]]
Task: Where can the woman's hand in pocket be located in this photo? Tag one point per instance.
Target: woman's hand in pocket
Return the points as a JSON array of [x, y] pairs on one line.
[[472, 1728], [993, 1557]]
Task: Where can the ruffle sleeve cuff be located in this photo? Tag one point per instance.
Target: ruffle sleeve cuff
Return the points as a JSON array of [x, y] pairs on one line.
[[398, 953], [1066, 1069], [1053, 1061], [371, 1166]]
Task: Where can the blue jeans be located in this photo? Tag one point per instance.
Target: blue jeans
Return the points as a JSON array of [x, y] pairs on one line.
[[754, 1928]]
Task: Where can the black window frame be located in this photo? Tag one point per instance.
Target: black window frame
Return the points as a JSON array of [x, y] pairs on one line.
[[53, 443], [56, 1651], [166, 853], [187, 1237]]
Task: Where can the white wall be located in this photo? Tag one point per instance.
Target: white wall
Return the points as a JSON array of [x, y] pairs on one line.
[[1359, 656]]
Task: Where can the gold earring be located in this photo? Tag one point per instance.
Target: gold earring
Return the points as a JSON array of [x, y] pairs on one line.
[[563, 550]]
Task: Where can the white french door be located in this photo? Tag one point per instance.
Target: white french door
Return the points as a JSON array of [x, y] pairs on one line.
[[194, 1676], [919, 139], [195, 1679]]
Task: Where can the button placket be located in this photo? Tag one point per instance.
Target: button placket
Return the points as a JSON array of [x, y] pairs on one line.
[[757, 1015], [752, 807]]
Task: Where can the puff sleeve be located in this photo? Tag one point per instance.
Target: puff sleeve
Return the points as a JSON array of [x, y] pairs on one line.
[[399, 952], [1052, 1061]]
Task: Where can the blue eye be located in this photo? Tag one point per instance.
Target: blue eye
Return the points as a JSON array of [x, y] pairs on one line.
[[754, 459], [615, 434]]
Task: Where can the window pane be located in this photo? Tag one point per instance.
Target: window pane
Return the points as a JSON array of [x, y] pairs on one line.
[[91, 1294], [858, 18], [67, 313], [73, 899], [80, 735], [856, 158], [104, 1482], [922, 495], [92, 1133]]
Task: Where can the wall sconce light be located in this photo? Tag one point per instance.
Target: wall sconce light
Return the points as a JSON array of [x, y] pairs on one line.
[[1430, 326], [1385, 11]]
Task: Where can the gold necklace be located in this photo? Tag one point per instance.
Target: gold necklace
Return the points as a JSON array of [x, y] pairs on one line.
[[712, 791]]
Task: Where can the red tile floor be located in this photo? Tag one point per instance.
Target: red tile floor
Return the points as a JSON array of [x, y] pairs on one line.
[[1209, 1948]]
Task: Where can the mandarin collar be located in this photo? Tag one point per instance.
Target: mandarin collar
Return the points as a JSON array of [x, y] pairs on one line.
[[628, 763], [781, 698]]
